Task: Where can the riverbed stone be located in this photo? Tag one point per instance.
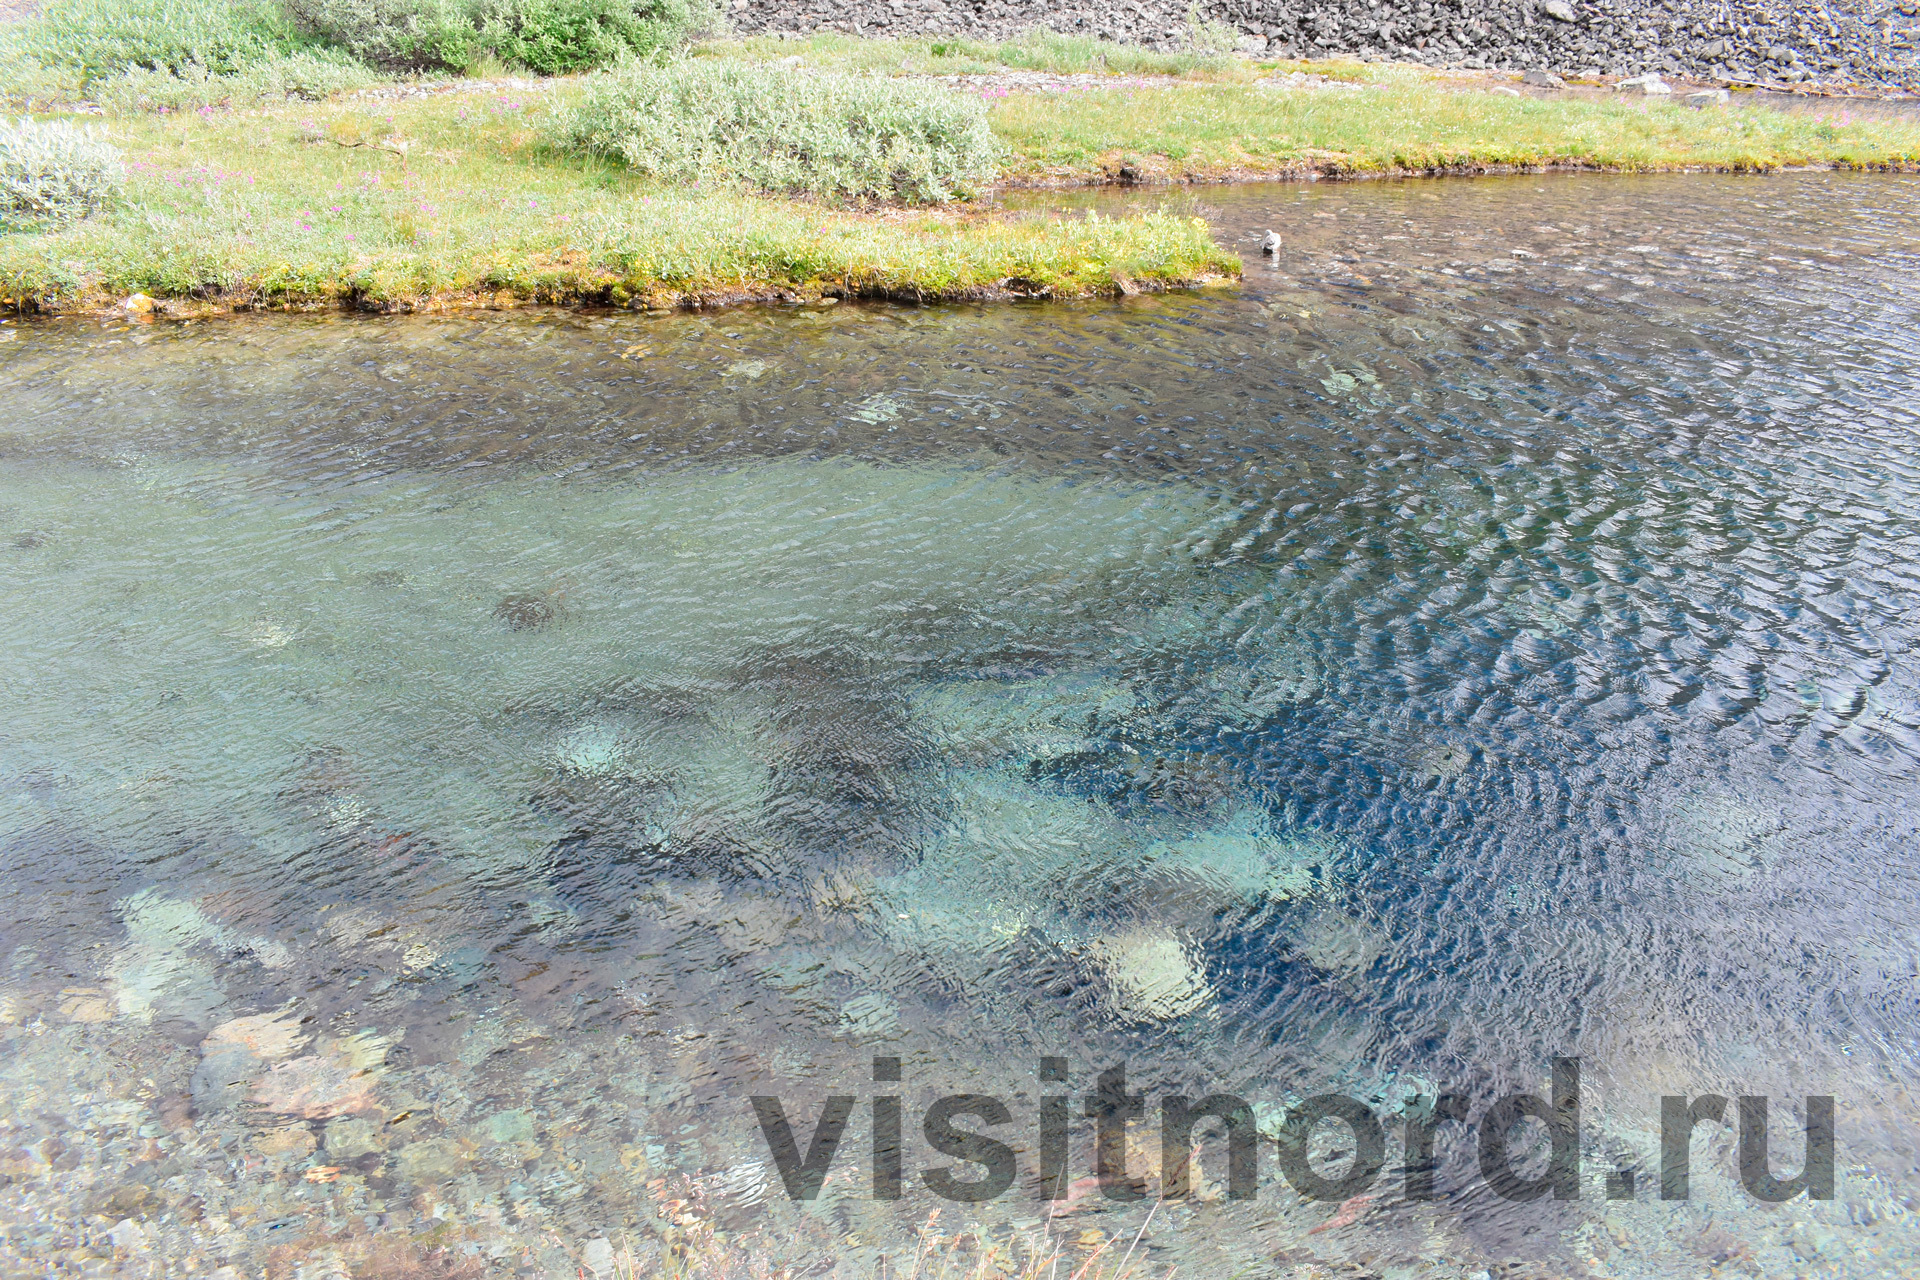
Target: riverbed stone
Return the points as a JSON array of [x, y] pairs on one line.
[[596, 1256], [429, 1160], [339, 1080], [524, 612], [350, 1137], [1153, 975]]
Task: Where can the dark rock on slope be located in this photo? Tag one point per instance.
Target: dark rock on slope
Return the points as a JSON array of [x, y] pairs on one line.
[[1842, 41]]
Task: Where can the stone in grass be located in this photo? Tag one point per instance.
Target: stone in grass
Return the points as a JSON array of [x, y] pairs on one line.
[[1541, 79], [1650, 84], [1709, 98]]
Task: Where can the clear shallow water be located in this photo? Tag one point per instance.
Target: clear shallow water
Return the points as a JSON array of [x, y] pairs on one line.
[[452, 764]]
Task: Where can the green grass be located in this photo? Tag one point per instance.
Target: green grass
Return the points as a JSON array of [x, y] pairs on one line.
[[397, 203], [1209, 131]]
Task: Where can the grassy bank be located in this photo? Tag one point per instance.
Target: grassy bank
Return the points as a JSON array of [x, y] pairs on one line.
[[457, 197], [1406, 125], [235, 195]]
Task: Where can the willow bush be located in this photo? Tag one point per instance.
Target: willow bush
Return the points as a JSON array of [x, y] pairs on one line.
[[845, 138], [547, 36], [52, 173]]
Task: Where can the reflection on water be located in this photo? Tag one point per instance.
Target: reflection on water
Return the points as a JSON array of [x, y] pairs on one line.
[[451, 765]]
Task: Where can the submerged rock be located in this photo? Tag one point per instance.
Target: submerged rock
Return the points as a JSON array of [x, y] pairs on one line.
[[88, 1004], [157, 982], [508, 1128], [1440, 761], [1023, 721], [350, 1137], [236, 1053], [1153, 976], [524, 612], [338, 1081], [1716, 837], [593, 751], [167, 969], [430, 1160], [871, 1016], [268, 1036], [1335, 942]]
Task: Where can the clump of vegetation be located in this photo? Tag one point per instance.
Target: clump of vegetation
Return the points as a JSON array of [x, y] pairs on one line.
[[100, 38], [547, 36], [1209, 35], [310, 75], [27, 84], [397, 34], [558, 36], [52, 173], [777, 129]]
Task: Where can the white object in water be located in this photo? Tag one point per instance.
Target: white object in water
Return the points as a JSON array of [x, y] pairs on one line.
[[1708, 98], [1270, 245]]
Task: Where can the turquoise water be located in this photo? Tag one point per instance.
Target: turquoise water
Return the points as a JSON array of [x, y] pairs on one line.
[[453, 764]]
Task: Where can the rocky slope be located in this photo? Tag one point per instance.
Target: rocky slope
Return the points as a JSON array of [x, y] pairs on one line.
[[1826, 41]]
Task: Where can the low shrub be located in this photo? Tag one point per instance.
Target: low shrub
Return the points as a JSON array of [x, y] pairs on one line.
[[28, 84], [100, 38], [307, 74], [547, 36], [787, 130], [52, 173], [398, 34], [557, 36]]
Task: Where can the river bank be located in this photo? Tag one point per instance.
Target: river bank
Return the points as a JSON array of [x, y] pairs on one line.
[[419, 195]]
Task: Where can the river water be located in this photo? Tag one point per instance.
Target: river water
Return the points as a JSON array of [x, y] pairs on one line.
[[452, 765]]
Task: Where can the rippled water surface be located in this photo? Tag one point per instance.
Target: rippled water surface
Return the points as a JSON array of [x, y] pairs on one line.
[[452, 764]]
